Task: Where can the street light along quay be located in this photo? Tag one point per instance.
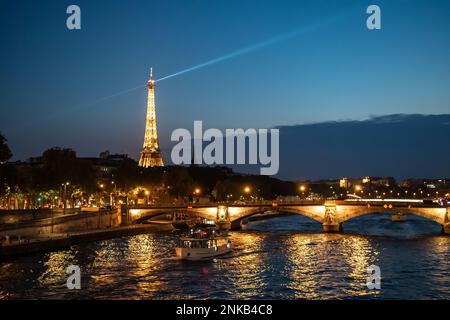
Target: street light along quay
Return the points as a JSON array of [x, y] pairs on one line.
[[302, 190], [65, 195]]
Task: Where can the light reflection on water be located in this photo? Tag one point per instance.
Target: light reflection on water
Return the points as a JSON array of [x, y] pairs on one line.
[[313, 265], [283, 258]]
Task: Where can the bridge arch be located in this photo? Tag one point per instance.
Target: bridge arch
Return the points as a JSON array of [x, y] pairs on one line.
[[142, 214], [314, 213], [236, 214], [438, 215]]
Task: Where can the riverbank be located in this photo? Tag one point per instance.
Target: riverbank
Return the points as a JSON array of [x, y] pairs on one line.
[[61, 241]]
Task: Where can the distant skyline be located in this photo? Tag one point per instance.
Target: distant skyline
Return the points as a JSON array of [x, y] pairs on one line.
[[54, 80], [401, 146]]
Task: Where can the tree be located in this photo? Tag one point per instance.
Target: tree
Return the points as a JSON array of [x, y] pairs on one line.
[[9, 178], [179, 182], [5, 152], [61, 166], [226, 190], [127, 174]]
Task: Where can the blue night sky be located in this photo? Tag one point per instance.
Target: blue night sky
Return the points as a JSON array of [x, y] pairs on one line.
[[335, 69]]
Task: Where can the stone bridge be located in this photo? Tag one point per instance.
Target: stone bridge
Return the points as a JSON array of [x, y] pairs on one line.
[[330, 213]]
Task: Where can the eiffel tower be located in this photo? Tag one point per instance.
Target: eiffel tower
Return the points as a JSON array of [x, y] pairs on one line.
[[150, 154]]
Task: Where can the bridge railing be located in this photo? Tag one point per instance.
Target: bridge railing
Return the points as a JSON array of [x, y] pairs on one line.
[[274, 203], [224, 203]]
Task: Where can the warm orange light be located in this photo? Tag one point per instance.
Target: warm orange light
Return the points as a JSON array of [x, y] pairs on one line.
[[247, 189], [302, 188]]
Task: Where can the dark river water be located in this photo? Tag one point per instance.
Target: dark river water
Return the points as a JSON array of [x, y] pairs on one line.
[[282, 258]]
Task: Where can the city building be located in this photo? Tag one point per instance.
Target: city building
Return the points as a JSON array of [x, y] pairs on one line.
[[106, 164]]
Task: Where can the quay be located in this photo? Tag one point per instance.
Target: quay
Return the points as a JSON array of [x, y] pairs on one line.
[[51, 242], [29, 231]]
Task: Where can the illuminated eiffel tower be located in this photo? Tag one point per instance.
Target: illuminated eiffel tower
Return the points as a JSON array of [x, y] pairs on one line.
[[150, 154]]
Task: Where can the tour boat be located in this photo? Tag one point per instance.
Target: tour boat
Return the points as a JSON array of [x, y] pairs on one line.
[[203, 244]]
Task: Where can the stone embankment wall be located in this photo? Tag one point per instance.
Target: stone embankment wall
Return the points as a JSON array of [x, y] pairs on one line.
[[44, 224]]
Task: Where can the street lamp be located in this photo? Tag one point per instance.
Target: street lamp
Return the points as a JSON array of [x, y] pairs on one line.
[[65, 195], [196, 194], [100, 196], [147, 193], [112, 193], [302, 190], [247, 191]]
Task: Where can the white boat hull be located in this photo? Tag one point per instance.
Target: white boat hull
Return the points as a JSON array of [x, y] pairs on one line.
[[202, 253]]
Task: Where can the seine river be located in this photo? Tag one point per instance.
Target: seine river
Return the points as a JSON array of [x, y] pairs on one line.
[[282, 258]]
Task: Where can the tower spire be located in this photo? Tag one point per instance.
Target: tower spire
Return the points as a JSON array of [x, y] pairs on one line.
[[151, 154]]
